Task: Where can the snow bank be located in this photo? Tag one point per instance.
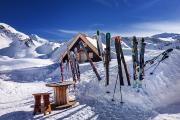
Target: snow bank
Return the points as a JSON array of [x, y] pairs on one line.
[[159, 90], [7, 63]]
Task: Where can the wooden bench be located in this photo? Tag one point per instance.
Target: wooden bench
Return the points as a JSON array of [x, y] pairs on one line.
[[46, 102]]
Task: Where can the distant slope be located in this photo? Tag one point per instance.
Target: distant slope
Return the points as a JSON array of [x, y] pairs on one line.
[[16, 44]]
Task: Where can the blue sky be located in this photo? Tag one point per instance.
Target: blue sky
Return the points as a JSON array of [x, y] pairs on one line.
[[62, 19]]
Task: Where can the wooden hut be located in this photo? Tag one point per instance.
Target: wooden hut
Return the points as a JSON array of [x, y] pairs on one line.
[[91, 47]]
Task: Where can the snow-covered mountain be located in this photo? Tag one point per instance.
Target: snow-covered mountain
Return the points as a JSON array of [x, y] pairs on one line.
[[167, 35], [164, 40], [16, 44], [159, 41]]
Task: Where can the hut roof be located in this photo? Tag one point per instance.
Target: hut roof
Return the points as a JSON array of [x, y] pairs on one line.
[[90, 42]]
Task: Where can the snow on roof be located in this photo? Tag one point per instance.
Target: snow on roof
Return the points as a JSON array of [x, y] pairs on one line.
[[93, 41]]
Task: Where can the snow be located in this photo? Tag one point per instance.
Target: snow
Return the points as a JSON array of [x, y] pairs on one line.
[[14, 64], [11, 30], [15, 44], [93, 41], [167, 39], [168, 117], [93, 101], [4, 41], [20, 77]]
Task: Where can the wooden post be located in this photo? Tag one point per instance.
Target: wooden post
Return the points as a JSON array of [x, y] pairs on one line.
[[37, 104], [47, 106]]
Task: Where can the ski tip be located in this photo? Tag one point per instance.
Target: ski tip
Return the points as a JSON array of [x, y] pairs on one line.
[[117, 38], [112, 100], [97, 32], [142, 40], [122, 102], [108, 36]]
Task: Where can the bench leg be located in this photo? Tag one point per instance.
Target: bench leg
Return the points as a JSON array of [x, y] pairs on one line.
[[47, 105]]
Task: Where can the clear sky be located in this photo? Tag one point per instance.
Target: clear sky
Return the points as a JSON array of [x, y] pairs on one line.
[[62, 19]]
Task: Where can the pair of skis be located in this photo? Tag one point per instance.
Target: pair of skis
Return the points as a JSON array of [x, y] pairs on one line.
[[121, 66], [154, 62], [105, 54], [74, 65], [107, 59], [138, 62], [121, 60]]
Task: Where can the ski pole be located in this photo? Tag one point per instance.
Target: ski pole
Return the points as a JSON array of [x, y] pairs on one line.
[[163, 58], [115, 88], [155, 68], [121, 96], [151, 66]]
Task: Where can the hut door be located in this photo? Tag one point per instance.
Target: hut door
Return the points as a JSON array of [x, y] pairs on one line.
[[82, 56]]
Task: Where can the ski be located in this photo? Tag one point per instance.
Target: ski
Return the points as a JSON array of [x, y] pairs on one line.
[[66, 75], [77, 64], [107, 58], [163, 58], [135, 60], [118, 51], [141, 61], [71, 65], [89, 59], [73, 61], [98, 44], [124, 62], [152, 61], [61, 69]]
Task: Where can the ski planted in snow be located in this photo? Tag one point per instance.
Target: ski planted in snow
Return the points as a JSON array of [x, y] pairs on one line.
[[71, 65], [141, 59], [61, 69], [89, 59], [124, 62], [118, 51], [107, 56], [98, 44], [141, 62], [120, 74], [77, 64], [135, 60], [66, 75]]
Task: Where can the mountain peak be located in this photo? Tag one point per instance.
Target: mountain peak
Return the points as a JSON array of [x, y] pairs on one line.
[[7, 27], [12, 32], [37, 38]]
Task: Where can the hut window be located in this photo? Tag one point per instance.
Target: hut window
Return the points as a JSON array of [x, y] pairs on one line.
[[91, 55]]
